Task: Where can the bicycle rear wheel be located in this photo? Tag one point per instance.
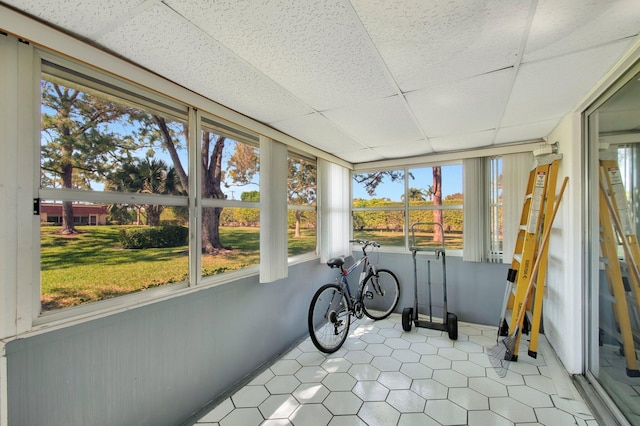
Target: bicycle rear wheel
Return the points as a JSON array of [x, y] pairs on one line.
[[329, 318], [380, 294]]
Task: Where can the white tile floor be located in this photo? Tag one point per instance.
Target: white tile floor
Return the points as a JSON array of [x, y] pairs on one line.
[[385, 376]]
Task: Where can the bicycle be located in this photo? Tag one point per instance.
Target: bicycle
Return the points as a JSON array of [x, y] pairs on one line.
[[333, 304]]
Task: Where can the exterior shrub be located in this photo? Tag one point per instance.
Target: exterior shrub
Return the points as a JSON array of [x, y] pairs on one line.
[[154, 237]]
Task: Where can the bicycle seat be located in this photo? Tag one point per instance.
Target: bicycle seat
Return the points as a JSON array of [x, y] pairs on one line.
[[336, 262]]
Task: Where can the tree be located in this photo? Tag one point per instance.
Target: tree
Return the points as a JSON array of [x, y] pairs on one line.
[[301, 187], [149, 176], [437, 201], [370, 181], [418, 194], [78, 146]]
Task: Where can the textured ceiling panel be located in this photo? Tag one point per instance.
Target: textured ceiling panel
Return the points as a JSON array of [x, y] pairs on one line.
[[405, 149], [386, 121], [463, 106], [330, 72], [82, 17], [364, 155], [318, 131], [526, 132], [316, 50], [565, 26], [458, 142], [551, 88], [425, 43], [185, 55]]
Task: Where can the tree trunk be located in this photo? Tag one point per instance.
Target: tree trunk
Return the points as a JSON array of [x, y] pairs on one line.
[[211, 179], [437, 201], [67, 206], [153, 215], [210, 230], [297, 229]]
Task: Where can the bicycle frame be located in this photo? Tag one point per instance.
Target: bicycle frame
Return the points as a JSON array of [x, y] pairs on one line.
[[368, 269]]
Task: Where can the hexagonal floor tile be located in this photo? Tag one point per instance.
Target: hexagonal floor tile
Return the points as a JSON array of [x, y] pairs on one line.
[[309, 393], [343, 403], [513, 410], [406, 401], [446, 412], [250, 396], [371, 391], [394, 380], [278, 406], [282, 384], [378, 414], [364, 372], [311, 374], [429, 389], [339, 382], [310, 415]]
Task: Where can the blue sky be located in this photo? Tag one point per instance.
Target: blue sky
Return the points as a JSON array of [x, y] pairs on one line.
[[422, 179]]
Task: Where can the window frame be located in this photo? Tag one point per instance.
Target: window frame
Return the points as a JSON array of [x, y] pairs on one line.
[[195, 118], [406, 209], [305, 208]]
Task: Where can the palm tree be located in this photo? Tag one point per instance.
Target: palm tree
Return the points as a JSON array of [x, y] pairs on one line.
[[149, 176]]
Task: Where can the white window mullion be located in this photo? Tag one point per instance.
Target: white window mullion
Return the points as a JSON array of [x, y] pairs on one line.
[[475, 219], [195, 198], [515, 172], [273, 210], [334, 204]]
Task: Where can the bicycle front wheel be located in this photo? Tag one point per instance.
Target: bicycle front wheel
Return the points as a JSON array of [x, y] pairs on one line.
[[329, 318], [380, 294]]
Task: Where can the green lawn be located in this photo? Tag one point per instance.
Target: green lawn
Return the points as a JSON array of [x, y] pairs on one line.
[[453, 240], [92, 266]]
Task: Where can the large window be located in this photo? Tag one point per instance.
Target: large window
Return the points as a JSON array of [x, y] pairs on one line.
[[387, 204], [113, 190], [301, 199], [614, 300], [230, 228], [137, 191]]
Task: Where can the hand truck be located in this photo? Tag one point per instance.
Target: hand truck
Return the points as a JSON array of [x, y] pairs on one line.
[[410, 315]]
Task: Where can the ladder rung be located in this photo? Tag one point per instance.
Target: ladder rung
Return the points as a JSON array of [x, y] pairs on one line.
[[517, 257]]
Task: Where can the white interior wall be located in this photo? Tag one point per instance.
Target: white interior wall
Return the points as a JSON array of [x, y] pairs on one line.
[[563, 298]]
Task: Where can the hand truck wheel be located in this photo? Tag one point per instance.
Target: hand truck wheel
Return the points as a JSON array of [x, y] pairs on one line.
[[452, 326], [407, 318]]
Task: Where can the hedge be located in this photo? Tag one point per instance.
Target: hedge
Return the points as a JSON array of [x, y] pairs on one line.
[[154, 237]]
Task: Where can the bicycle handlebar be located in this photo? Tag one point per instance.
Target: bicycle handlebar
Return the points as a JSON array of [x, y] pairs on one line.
[[366, 243]]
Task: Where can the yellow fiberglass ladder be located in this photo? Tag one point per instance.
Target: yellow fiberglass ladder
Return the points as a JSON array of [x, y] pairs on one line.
[[616, 227], [538, 204]]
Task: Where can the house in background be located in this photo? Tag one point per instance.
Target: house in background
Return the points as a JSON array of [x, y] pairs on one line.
[[83, 214]]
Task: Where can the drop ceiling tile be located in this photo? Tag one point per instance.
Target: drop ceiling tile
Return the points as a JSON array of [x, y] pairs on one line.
[[380, 122], [526, 132], [363, 155], [405, 149], [425, 43], [317, 50], [463, 106], [551, 88], [84, 17], [462, 141], [565, 26], [318, 131], [182, 53]]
